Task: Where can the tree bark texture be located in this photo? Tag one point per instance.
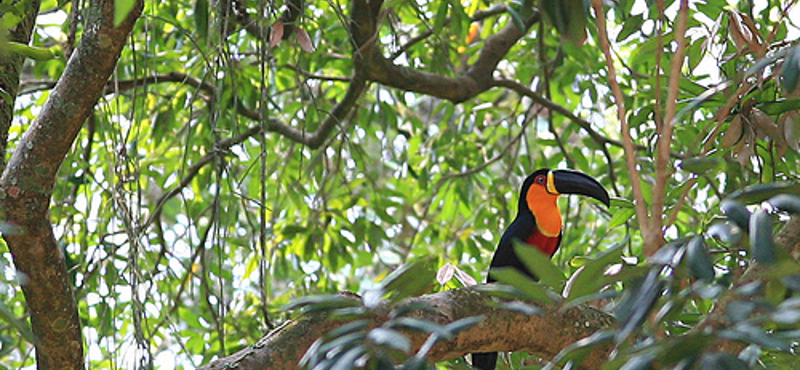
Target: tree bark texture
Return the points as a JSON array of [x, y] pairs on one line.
[[10, 68], [501, 330], [369, 59], [27, 182]]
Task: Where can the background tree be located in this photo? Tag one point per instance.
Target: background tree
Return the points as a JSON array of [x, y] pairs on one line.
[[178, 174]]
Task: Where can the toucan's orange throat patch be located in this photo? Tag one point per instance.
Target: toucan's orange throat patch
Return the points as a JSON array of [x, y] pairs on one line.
[[544, 207]]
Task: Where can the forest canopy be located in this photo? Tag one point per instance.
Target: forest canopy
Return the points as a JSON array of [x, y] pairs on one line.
[[191, 183]]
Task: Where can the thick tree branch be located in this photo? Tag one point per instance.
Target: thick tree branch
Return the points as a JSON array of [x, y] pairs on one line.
[[478, 78], [501, 330], [27, 183]]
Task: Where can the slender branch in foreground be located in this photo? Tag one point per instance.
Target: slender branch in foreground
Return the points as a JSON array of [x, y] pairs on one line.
[[501, 330], [663, 170], [652, 238]]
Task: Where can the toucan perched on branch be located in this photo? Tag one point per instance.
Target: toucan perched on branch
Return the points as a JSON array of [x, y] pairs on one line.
[[538, 224]]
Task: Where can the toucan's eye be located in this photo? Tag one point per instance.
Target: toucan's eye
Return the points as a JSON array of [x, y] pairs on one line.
[[540, 179]]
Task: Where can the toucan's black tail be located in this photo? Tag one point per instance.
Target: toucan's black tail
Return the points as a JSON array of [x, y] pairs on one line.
[[484, 361]]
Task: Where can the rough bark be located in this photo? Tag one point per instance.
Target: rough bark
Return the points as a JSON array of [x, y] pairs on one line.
[[10, 68], [26, 186], [369, 59], [501, 330]]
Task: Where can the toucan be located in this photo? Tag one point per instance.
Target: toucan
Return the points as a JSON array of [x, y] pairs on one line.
[[538, 224]]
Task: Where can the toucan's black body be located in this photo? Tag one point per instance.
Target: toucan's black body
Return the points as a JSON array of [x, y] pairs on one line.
[[537, 200]]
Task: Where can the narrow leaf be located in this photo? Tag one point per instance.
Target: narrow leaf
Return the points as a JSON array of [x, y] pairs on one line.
[[589, 279], [762, 246], [699, 260], [276, 34], [304, 40], [540, 265], [790, 71], [410, 279], [390, 338], [445, 273], [786, 202], [737, 213], [530, 289]]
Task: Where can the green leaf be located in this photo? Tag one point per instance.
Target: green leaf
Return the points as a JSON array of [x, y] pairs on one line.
[[632, 24], [701, 165], [779, 106], [457, 326], [751, 334], [390, 338], [722, 361], [762, 245], [786, 202], [737, 213], [347, 360], [411, 279], [639, 302], [121, 10], [19, 326], [790, 71], [201, 19], [699, 260], [621, 217], [529, 289], [424, 326], [322, 302], [32, 52], [516, 18], [522, 307], [761, 192], [589, 280], [440, 16], [540, 265]]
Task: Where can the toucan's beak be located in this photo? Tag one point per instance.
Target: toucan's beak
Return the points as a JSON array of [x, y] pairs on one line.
[[574, 182]]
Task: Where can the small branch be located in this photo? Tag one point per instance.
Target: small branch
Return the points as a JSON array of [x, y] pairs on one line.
[[311, 139], [663, 171], [195, 168], [315, 76], [651, 241], [479, 15], [552, 106]]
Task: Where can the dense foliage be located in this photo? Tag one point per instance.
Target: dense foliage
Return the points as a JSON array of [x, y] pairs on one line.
[[195, 204]]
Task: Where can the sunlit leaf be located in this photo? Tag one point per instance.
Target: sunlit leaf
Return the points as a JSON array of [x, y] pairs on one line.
[[589, 279], [121, 10]]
